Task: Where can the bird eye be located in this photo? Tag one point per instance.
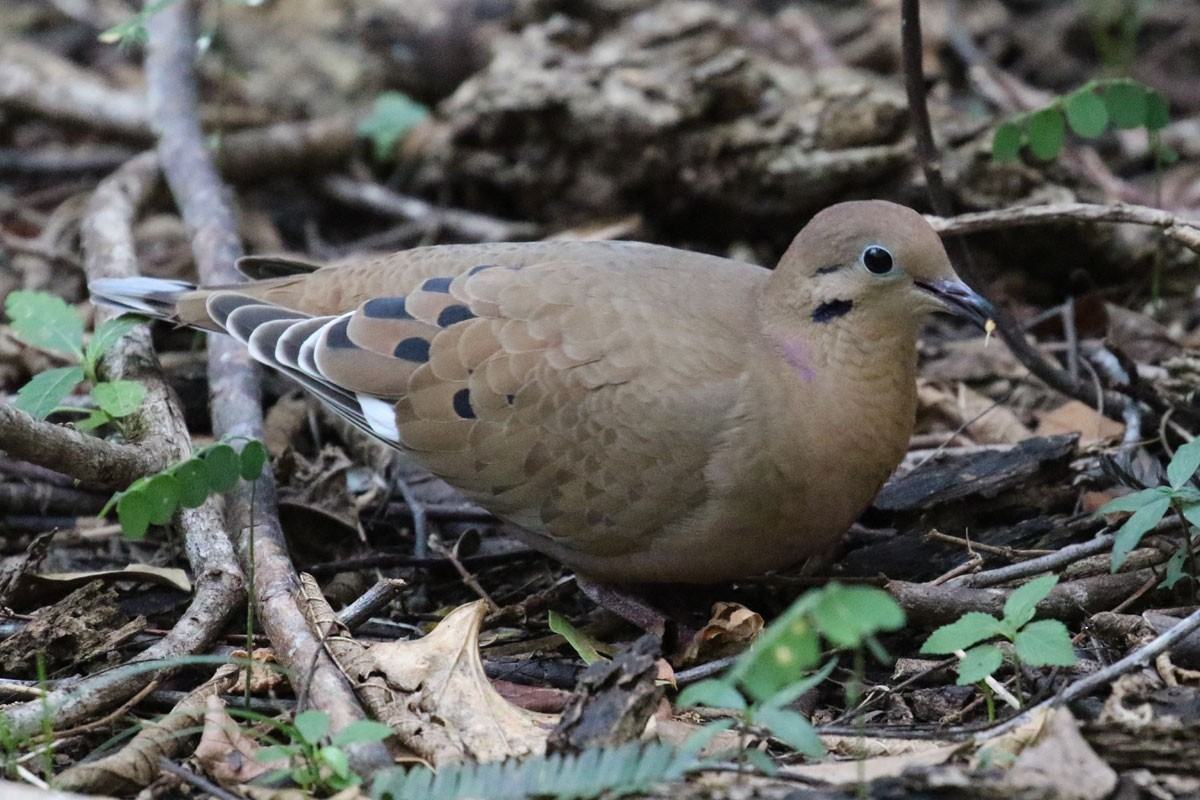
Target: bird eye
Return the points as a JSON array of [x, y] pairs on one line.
[[877, 260]]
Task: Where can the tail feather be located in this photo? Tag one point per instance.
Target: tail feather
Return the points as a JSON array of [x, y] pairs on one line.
[[156, 297]]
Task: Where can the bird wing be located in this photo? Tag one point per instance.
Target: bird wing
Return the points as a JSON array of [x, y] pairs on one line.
[[579, 398]]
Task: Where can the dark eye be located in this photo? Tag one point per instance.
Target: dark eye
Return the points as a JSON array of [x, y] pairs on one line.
[[877, 260]]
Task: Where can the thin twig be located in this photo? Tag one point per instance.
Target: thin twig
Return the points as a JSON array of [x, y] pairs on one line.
[[1115, 405]]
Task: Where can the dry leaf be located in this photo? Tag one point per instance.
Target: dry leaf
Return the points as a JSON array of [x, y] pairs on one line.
[[1062, 761], [985, 420], [730, 629], [443, 675], [1076, 417], [226, 753]]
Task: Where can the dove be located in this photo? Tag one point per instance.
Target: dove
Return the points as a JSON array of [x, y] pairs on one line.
[[640, 413]]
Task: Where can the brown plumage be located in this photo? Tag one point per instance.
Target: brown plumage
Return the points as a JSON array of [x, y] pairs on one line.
[[641, 413]]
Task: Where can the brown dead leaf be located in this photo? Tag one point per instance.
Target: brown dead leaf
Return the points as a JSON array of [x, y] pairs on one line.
[[443, 675], [137, 763], [265, 677], [984, 420], [1076, 417], [1062, 762], [226, 753], [730, 629]]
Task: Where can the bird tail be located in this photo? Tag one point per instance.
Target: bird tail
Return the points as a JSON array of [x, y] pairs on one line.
[[175, 301]]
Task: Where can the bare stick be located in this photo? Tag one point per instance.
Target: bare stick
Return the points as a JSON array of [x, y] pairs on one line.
[[1114, 405], [234, 377]]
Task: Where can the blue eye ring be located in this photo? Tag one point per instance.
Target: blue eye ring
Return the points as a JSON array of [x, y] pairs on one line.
[[877, 260]]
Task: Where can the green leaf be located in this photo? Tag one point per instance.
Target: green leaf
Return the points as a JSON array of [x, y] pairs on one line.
[[1174, 573], [1127, 105], [1132, 502], [311, 725], [192, 477], [162, 497], [224, 467], [276, 751], [118, 398], [971, 628], [791, 729], [1045, 643], [253, 459], [335, 758], [45, 321], [978, 663], [133, 512], [760, 761], [93, 420], [1184, 464], [792, 691], [394, 115], [1086, 114], [580, 642], [108, 334], [1020, 606], [846, 615], [1131, 533], [46, 390], [1047, 133], [713, 693], [787, 649], [1006, 142], [363, 731], [1158, 111]]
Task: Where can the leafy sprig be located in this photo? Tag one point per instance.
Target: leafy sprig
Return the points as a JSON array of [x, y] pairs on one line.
[[1040, 643], [45, 321], [1088, 112], [780, 666], [154, 499]]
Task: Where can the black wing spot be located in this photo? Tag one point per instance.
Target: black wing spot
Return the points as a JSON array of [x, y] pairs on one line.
[[437, 285], [831, 309], [386, 308], [511, 398], [337, 337], [453, 314], [462, 404], [413, 349], [480, 268]]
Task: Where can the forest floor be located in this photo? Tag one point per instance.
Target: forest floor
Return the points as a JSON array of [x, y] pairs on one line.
[[355, 128]]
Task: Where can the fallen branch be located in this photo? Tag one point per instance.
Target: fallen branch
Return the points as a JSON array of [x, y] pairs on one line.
[[234, 377], [1184, 231]]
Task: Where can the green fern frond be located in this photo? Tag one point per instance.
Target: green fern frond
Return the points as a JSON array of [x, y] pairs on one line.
[[612, 771]]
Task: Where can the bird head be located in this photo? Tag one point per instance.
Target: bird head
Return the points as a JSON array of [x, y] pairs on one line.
[[874, 264]]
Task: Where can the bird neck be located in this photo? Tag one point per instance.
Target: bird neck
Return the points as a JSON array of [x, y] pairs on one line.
[[845, 384]]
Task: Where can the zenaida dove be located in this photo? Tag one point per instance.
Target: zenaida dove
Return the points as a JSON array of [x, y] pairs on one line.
[[643, 414]]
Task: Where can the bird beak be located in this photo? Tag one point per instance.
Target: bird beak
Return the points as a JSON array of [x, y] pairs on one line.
[[958, 298]]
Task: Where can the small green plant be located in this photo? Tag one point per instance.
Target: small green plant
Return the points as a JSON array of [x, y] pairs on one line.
[[46, 322], [1088, 112], [317, 762], [1149, 506], [212, 469], [393, 116], [783, 664], [133, 30], [583, 645], [1043, 643]]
